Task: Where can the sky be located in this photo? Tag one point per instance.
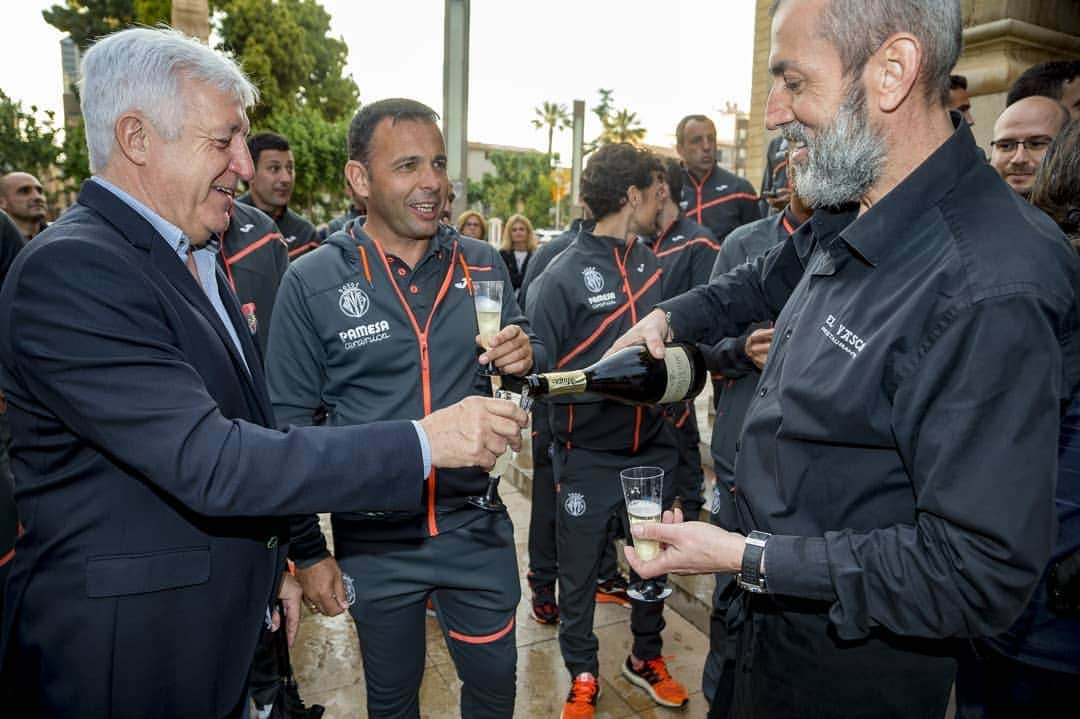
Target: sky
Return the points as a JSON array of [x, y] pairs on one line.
[[663, 60]]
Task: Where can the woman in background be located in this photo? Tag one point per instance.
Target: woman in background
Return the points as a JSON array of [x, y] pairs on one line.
[[471, 223], [518, 245]]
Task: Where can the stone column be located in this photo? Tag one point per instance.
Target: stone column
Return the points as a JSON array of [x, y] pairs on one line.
[[192, 17]]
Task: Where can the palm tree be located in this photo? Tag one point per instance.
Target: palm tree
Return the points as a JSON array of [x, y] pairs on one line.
[[553, 116], [623, 126]]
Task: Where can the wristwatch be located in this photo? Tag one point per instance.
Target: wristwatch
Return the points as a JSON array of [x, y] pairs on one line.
[[750, 577]]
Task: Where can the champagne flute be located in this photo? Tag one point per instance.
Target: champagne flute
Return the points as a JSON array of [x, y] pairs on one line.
[[487, 299], [643, 490], [489, 501]]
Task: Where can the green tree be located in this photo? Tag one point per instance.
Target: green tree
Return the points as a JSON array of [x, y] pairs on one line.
[[87, 20], [27, 143], [623, 126], [319, 149], [553, 116], [74, 159], [521, 184], [286, 48], [615, 126]]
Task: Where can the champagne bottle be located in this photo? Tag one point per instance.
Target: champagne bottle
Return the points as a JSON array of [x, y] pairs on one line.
[[631, 375]]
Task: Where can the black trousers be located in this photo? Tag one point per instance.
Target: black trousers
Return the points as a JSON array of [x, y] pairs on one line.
[[791, 665], [689, 477], [590, 493], [990, 685], [543, 556]]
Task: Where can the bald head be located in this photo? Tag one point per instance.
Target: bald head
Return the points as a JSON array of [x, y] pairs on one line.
[[1021, 135], [23, 197]]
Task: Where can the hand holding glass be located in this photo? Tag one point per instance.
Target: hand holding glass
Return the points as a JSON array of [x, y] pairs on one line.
[[643, 490]]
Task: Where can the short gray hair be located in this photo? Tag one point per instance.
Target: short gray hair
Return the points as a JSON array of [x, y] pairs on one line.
[[142, 69], [857, 28]]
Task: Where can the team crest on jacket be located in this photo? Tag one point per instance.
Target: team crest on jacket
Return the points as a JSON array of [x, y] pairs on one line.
[[353, 302], [575, 504], [594, 281]]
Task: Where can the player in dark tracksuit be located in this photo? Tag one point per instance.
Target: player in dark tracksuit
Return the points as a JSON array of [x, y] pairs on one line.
[[253, 257], [300, 235], [686, 251], [368, 334], [711, 196], [358, 332], [543, 557], [738, 377], [589, 295]]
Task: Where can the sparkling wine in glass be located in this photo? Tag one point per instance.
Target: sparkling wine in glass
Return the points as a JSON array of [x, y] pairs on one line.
[[643, 490], [487, 298]]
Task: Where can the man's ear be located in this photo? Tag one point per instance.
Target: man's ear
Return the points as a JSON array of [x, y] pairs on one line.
[[357, 176], [133, 137], [892, 71]]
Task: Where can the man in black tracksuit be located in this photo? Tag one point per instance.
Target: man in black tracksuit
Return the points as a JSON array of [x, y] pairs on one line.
[[543, 556], [775, 183], [253, 257], [585, 298], [711, 195], [379, 323], [686, 251], [271, 189], [737, 362]]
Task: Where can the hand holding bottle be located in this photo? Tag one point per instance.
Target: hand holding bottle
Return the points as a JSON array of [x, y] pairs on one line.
[[652, 330]]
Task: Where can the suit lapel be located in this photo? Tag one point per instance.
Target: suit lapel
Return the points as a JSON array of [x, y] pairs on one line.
[[140, 233]]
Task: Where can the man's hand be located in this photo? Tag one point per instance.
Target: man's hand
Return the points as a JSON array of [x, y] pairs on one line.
[[510, 350], [651, 331], [687, 548], [757, 346], [780, 199], [473, 432], [290, 595], [323, 587]]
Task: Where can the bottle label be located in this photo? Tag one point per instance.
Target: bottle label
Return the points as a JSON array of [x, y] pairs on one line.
[[680, 374], [565, 382]]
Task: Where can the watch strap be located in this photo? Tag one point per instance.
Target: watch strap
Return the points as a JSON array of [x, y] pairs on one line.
[[750, 576]]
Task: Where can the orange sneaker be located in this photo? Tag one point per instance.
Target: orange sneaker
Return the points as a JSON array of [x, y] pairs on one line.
[[654, 678], [581, 701]]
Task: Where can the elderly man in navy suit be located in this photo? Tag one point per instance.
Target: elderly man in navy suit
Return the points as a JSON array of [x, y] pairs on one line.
[[152, 492]]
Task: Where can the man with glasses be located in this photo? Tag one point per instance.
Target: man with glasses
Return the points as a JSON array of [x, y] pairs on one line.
[[1021, 135]]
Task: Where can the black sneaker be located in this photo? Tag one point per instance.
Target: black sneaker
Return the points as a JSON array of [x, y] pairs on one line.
[[544, 608], [613, 591]]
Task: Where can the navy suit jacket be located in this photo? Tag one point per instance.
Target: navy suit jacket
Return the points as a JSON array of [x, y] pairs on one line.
[[151, 490]]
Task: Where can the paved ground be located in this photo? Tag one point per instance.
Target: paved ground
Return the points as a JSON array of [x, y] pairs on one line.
[[328, 666]]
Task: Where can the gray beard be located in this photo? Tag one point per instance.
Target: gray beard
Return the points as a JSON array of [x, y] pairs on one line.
[[844, 159]]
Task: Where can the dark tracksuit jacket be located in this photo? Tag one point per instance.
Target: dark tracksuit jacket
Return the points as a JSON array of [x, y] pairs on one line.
[[339, 222], [735, 379], [776, 171], [721, 202], [300, 235], [586, 298], [686, 251], [253, 257], [543, 562], [364, 344]]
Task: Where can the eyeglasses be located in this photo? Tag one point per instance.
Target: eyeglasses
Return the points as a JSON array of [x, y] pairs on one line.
[[1032, 144]]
